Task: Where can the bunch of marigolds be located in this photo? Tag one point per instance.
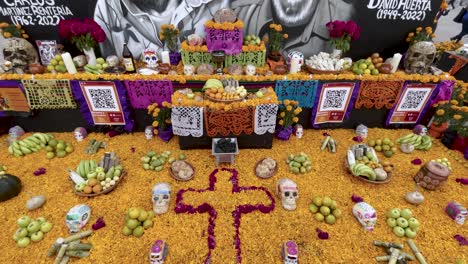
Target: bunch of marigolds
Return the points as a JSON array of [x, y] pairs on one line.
[[11, 30], [454, 111], [161, 115], [420, 35], [288, 113], [169, 34]]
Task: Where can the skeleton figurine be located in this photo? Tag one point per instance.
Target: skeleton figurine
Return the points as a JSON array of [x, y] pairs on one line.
[[287, 190], [149, 132], [158, 252], [298, 130], [161, 197], [150, 58], [14, 134], [420, 130], [80, 133], [296, 60], [189, 70], [112, 60], [250, 70], [419, 57], [366, 215], [361, 131]]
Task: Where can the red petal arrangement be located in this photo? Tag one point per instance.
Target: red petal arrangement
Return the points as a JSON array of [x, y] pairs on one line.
[[463, 181], [461, 240], [99, 224], [416, 162], [39, 172], [322, 235]]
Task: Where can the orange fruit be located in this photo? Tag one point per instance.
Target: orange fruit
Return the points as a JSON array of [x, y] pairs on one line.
[[88, 189], [97, 188]]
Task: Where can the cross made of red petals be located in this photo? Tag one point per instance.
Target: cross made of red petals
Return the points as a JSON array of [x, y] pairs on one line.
[[239, 210]]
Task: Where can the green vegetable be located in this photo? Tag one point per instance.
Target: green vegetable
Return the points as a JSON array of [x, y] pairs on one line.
[[295, 170], [159, 168]]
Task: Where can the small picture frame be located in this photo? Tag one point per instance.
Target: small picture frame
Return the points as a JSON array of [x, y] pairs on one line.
[[47, 50]]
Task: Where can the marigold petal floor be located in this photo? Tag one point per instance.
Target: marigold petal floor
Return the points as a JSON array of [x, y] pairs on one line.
[[261, 234]]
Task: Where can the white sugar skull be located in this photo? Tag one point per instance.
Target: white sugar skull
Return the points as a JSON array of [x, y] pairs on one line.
[[15, 133], [366, 215], [150, 58], [77, 217], [80, 60], [158, 252], [80, 133], [149, 132], [362, 131], [419, 57], [287, 190], [420, 130], [250, 70], [298, 130], [161, 197], [296, 60], [189, 69], [112, 60]]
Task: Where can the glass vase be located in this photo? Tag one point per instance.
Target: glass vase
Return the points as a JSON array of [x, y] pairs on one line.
[[90, 56]]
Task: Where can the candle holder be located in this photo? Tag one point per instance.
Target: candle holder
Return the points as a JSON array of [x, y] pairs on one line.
[[218, 58]]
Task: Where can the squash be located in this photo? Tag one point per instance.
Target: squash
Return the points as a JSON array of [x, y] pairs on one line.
[[10, 186]]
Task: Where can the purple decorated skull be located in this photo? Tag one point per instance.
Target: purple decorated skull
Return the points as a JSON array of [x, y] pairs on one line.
[[286, 189], [158, 252], [150, 58], [366, 215], [420, 130], [161, 197], [15, 133], [457, 212], [80, 133], [149, 132]]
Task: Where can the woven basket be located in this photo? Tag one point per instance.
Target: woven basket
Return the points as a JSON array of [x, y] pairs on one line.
[[180, 179], [110, 189], [389, 176], [315, 71], [272, 173]]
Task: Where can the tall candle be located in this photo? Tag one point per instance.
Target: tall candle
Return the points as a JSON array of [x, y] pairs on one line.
[[395, 62], [295, 66], [165, 57], [69, 64]]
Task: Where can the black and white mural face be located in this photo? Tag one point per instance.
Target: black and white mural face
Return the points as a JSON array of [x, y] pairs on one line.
[[384, 23], [451, 22]]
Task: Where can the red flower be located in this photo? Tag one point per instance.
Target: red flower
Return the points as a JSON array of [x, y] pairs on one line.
[[64, 27], [336, 28], [353, 30]]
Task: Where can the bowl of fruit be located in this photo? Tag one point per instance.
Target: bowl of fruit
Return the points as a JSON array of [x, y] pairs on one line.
[[362, 162], [181, 170], [92, 179], [227, 92], [266, 168]]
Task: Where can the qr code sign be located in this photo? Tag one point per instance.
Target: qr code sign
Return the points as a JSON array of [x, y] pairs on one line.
[[414, 100], [102, 99], [334, 99]]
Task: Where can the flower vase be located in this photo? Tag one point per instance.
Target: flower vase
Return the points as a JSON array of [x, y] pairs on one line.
[[283, 133], [336, 53], [165, 134], [436, 131], [90, 56], [174, 57]]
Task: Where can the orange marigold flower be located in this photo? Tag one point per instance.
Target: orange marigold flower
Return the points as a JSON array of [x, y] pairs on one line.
[[286, 102], [281, 122], [440, 112], [155, 123], [457, 117], [411, 34], [282, 114], [295, 119], [454, 102], [285, 36], [297, 110], [418, 29]]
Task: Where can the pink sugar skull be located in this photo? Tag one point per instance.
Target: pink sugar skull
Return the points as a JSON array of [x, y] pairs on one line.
[[366, 215], [457, 212], [290, 252], [150, 58], [158, 252], [286, 189], [80, 133], [420, 130]]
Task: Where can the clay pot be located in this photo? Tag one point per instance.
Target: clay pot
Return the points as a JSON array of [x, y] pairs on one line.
[[36, 68], [274, 56], [431, 175], [437, 131], [280, 69], [164, 68]]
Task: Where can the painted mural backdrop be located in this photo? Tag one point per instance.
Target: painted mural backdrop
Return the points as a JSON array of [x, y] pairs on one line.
[[384, 23]]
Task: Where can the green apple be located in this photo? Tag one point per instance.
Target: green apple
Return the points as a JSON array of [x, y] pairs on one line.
[[34, 226], [100, 60], [259, 94], [402, 222], [49, 149], [147, 223], [337, 213], [317, 201], [327, 201], [374, 72], [367, 71], [92, 175], [101, 176], [330, 219], [142, 216], [23, 221], [413, 223], [50, 68], [38, 236], [313, 208], [50, 155], [60, 146], [138, 232], [150, 215], [61, 153], [406, 213], [399, 231], [363, 66], [190, 95], [41, 219], [319, 217], [325, 210], [391, 222], [53, 62], [23, 242], [80, 187], [46, 227], [105, 65], [20, 233], [132, 223], [394, 213], [58, 57], [333, 205], [69, 149], [410, 233], [99, 169], [126, 231]]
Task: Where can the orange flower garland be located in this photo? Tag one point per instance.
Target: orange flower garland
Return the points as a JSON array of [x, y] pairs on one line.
[[225, 25]]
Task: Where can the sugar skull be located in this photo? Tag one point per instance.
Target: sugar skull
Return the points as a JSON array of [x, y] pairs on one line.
[[77, 217], [189, 69], [287, 190], [457, 212], [361, 131], [290, 252], [161, 197], [149, 132], [419, 57], [19, 52], [15, 133], [80, 133], [158, 252], [420, 130], [80, 60], [250, 70], [112, 60], [150, 58], [366, 215], [296, 60], [298, 130]]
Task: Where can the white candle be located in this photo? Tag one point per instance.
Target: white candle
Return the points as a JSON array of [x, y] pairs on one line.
[[295, 66], [69, 64], [165, 57], [395, 62]]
